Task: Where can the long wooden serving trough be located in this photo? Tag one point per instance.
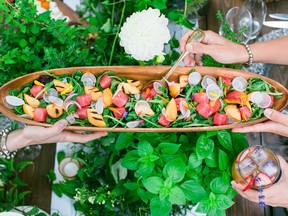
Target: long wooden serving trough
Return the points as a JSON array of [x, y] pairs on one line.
[[143, 74]]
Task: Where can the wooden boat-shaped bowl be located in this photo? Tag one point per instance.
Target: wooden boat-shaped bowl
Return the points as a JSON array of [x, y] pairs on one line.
[[143, 74]]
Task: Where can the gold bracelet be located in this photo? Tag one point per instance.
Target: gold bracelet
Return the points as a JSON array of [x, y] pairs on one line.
[[4, 152], [250, 60]]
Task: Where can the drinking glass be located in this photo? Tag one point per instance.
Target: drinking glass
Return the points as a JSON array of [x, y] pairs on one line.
[[258, 10], [239, 20], [256, 167]]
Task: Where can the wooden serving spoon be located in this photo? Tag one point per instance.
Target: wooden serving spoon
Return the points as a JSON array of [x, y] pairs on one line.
[[196, 37]]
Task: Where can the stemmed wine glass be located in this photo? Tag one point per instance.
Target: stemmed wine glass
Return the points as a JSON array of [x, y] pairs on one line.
[[258, 10], [239, 20]]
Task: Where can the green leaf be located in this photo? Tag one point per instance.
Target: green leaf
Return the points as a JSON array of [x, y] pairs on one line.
[[130, 185], [211, 160], [174, 169], [193, 191], [225, 139], [160, 4], [35, 29], [21, 165], [239, 142], [177, 196], [160, 207], [153, 184], [204, 146], [17, 181], [223, 202], [194, 161], [218, 186], [144, 148], [223, 159], [23, 43], [123, 141], [169, 148], [107, 26], [60, 156], [146, 169], [130, 160]]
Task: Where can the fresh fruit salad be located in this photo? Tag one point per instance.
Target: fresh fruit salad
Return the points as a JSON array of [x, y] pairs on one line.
[[108, 100]]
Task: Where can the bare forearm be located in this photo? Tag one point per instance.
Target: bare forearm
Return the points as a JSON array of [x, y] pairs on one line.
[[273, 51], [16, 140]]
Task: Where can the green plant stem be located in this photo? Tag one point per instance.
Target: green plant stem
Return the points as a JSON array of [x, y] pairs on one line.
[[117, 33], [185, 9]]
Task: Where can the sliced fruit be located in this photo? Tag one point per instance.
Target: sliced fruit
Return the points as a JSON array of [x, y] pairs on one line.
[[262, 180], [82, 112], [236, 97], [249, 183], [200, 97], [149, 93], [35, 89], [84, 100], [220, 119], [93, 91], [171, 110], [107, 97], [183, 80], [178, 101], [245, 113], [135, 83], [174, 89], [272, 101], [40, 114], [54, 111], [204, 109], [227, 81], [216, 105], [29, 110], [95, 119], [233, 112], [118, 112], [105, 81], [31, 101], [120, 99], [63, 88], [130, 89], [163, 121]]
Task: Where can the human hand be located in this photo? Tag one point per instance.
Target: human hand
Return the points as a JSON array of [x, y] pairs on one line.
[[32, 135], [275, 195], [218, 47], [277, 125]]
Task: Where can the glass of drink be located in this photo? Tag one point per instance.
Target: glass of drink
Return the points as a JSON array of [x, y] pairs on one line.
[[256, 167]]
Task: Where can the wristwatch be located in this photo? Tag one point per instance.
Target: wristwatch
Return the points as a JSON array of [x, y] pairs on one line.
[[4, 152]]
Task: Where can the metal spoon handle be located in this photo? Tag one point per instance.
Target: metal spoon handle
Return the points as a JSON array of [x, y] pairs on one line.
[[196, 37]]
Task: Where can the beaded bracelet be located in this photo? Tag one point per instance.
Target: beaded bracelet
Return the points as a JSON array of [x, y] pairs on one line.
[[250, 61], [4, 152]]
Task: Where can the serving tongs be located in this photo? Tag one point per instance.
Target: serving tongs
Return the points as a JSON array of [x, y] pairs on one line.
[[196, 37]]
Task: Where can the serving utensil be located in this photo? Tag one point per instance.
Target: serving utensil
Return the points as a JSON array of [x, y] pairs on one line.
[[196, 37]]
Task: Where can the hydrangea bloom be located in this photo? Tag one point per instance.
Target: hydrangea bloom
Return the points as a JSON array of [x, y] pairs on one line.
[[144, 34]]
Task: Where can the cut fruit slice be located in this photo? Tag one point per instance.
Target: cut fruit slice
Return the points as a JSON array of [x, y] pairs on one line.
[[262, 180], [249, 183]]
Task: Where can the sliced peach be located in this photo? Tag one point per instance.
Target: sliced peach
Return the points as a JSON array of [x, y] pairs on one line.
[[54, 111], [107, 97], [63, 88], [130, 89], [183, 80], [33, 102], [233, 112], [171, 110], [236, 97], [95, 119], [93, 91], [136, 83], [174, 89], [28, 110]]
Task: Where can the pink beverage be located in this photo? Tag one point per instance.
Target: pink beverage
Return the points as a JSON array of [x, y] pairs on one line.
[[256, 167]]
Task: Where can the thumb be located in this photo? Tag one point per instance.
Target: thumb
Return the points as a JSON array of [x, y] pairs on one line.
[[276, 116], [56, 129]]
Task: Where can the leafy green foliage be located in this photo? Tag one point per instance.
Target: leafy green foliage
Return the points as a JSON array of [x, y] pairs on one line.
[[171, 170], [11, 184]]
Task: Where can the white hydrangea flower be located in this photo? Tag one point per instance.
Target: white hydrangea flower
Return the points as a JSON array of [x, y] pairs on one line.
[[144, 34]]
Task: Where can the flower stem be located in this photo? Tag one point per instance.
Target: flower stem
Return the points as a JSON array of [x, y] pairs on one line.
[[117, 33], [185, 9]]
